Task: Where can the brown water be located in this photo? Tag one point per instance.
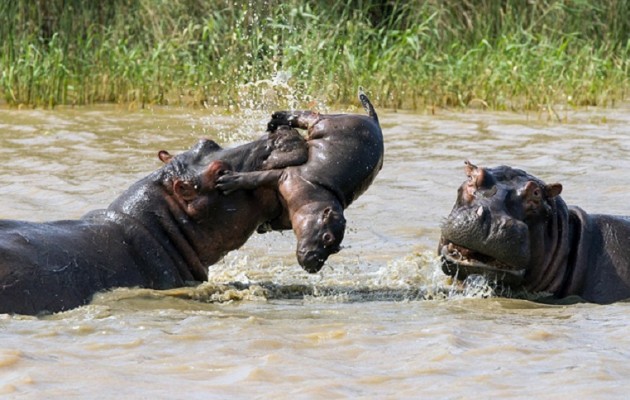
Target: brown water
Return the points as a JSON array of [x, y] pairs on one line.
[[363, 328]]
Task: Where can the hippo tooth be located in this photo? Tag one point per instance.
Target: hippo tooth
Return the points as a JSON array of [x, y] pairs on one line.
[[453, 252]]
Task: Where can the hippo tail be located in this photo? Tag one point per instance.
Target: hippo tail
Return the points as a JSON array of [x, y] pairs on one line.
[[369, 108]]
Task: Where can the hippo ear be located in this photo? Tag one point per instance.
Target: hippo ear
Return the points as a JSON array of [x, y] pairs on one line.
[[553, 190], [185, 190], [326, 213], [165, 156], [470, 168]]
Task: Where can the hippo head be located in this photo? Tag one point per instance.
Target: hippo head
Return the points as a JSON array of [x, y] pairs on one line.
[[191, 177], [199, 155], [319, 228], [504, 225]]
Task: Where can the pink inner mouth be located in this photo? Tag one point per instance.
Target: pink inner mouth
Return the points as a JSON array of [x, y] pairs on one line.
[[463, 255], [460, 260]]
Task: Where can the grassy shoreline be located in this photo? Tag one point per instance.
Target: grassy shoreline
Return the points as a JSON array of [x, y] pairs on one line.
[[412, 55]]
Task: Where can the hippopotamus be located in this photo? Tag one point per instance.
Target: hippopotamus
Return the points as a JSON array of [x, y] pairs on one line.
[[345, 153], [516, 229], [161, 233]]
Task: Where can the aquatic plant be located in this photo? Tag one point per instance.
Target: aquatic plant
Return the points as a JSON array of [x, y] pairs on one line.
[[410, 54]]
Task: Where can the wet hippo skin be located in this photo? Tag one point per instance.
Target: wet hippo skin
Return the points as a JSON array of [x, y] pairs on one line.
[[345, 155], [160, 233], [511, 226]]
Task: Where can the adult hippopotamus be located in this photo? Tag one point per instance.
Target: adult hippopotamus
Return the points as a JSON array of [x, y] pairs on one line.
[[345, 153], [514, 227], [161, 233]]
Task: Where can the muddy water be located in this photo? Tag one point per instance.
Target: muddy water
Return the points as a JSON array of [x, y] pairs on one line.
[[380, 321]]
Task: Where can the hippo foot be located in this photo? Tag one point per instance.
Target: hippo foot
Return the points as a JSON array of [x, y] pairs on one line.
[[280, 118], [461, 262], [229, 182]]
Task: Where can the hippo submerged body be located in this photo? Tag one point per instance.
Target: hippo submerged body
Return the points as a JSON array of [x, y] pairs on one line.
[[515, 228], [161, 233]]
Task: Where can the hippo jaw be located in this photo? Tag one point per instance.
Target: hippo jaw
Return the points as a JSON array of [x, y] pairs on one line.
[[476, 240], [460, 262]]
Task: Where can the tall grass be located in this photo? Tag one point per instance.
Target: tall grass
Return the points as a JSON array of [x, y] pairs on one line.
[[409, 54]]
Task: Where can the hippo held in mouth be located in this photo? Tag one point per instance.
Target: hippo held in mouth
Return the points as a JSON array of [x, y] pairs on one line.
[[513, 227], [345, 155], [161, 233]]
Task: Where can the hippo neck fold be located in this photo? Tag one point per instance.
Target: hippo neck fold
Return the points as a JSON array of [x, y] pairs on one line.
[[550, 275], [577, 260], [153, 208], [330, 194], [187, 238]]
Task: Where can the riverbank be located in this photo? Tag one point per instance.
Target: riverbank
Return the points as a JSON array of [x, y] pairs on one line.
[[410, 55]]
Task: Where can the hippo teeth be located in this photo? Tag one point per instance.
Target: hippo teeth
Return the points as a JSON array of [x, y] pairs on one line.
[[461, 261], [463, 254]]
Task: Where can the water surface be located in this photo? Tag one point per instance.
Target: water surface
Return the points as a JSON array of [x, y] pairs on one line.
[[380, 321]]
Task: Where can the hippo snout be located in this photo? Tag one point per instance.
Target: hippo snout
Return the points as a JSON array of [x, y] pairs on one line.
[[311, 261], [493, 234]]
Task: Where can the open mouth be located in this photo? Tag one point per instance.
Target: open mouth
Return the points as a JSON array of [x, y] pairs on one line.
[[460, 262]]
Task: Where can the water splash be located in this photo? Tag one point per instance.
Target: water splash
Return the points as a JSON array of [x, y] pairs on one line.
[[414, 277], [257, 100]]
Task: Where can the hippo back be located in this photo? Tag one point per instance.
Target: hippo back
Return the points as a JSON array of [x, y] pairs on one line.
[[345, 155]]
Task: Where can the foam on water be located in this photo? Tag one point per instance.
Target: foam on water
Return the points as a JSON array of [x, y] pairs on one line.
[[417, 276]]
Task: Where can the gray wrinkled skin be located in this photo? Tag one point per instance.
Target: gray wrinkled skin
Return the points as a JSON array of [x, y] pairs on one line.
[[512, 227], [162, 232]]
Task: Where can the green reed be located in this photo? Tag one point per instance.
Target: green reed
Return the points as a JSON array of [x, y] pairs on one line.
[[408, 54]]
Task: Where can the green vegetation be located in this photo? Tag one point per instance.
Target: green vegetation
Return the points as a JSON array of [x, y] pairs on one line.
[[408, 54]]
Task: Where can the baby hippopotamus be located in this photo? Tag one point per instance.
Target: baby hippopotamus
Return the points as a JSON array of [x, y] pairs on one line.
[[513, 227], [162, 232], [345, 153]]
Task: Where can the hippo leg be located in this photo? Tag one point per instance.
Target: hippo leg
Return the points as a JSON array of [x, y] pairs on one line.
[[232, 181], [283, 159], [290, 149]]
